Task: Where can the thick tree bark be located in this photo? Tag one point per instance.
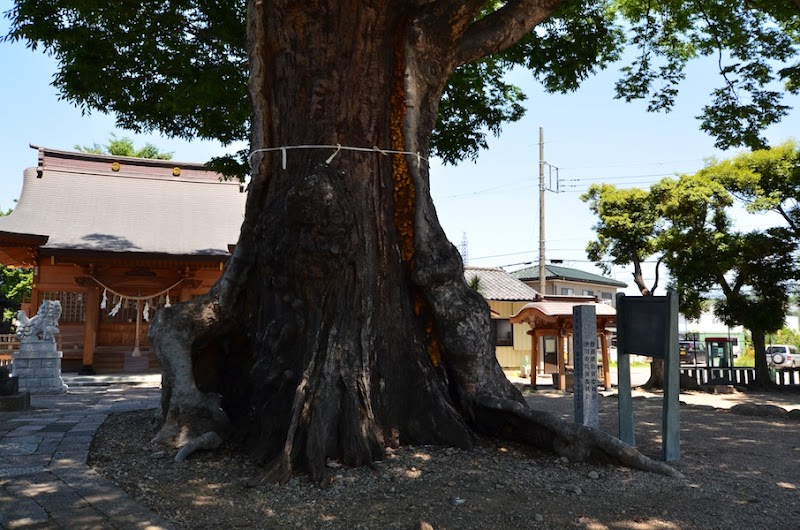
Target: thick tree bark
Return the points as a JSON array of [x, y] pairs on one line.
[[763, 380], [343, 324]]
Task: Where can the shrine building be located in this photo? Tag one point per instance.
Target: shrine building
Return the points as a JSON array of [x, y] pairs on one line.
[[115, 239]]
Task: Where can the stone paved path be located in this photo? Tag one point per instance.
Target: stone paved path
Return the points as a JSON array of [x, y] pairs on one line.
[[44, 480]]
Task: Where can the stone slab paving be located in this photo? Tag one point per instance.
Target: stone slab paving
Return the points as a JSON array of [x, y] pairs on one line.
[[45, 482]]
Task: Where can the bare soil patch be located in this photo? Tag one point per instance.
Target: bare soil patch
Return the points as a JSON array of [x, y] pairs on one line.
[[742, 472]]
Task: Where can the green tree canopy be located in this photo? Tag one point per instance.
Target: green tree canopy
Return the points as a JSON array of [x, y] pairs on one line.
[[627, 229], [765, 180], [124, 147], [180, 67], [687, 223], [15, 286]]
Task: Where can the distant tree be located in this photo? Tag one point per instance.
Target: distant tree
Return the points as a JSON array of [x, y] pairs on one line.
[[691, 208], [124, 147], [765, 180], [754, 270], [784, 335], [475, 283], [686, 222], [15, 287], [627, 229], [627, 234]]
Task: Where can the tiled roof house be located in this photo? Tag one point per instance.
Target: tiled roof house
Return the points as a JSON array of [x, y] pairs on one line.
[[505, 295]]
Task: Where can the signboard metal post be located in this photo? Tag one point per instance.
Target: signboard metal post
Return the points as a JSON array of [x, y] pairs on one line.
[[648, 325]]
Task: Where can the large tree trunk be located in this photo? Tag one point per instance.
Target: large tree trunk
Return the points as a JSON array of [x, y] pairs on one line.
[[763, 379], [343, 324]]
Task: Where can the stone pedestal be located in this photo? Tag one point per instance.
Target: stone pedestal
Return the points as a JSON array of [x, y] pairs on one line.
[[37, 364], [8, 385], [10, 397], [15, 402]]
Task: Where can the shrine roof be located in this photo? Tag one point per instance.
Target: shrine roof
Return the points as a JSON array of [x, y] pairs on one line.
[[555, 308], [103, 203]]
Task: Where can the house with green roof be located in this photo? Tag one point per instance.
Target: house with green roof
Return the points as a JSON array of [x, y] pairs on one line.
[[568, 281]]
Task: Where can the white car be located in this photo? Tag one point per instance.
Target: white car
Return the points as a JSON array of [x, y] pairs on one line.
[[782, 356]]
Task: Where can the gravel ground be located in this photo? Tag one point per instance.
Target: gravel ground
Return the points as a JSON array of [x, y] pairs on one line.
[[743, 472]]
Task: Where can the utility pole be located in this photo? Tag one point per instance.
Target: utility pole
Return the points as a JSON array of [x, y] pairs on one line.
[[542, 271], [464, 249]]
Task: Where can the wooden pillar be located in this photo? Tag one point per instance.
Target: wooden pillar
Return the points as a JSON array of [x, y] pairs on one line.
[[35, 296], [186, 293], [562, 367], [606, 360], [90, 328], [534, 356]]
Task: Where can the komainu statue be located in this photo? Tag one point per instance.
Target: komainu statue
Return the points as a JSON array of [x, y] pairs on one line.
[[41, 326]]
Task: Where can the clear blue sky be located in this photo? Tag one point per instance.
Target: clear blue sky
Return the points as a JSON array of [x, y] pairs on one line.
[[589, 136]]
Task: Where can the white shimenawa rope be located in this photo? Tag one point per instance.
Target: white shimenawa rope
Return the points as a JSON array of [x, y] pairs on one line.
[[338, 147], [138, 299]]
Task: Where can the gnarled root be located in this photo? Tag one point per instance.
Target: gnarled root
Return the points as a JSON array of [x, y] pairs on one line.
[[187, 412], [512, 420], [487, 399], [207, 441]]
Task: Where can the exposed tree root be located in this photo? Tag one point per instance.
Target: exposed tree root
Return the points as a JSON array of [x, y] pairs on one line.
[[512, 420], [194, 419], [207, 441], [187, 412]]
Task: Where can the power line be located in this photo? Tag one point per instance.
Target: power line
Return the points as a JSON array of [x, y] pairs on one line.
[[582, 179], [563, 185], [494, 189], [628, 185]]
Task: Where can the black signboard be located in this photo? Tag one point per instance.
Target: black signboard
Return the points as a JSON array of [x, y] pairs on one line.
[[644, 325]]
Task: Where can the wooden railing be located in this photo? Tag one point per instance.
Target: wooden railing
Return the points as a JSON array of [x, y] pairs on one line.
[[8, 343], [738, 375], [71, 343]]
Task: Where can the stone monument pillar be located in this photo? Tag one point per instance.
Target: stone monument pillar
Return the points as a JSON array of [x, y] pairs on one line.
[[37, 364], [584, 343]]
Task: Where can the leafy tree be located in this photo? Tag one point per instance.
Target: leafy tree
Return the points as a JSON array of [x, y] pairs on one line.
[[765, 180], [342, 323], [753, 272], [475, 284], [628, 226], [634, 226], [15, 286], [752, 269], [785, 336], [188, 78], [124, 147], [686, 222], [627, 230], [692, 208]]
